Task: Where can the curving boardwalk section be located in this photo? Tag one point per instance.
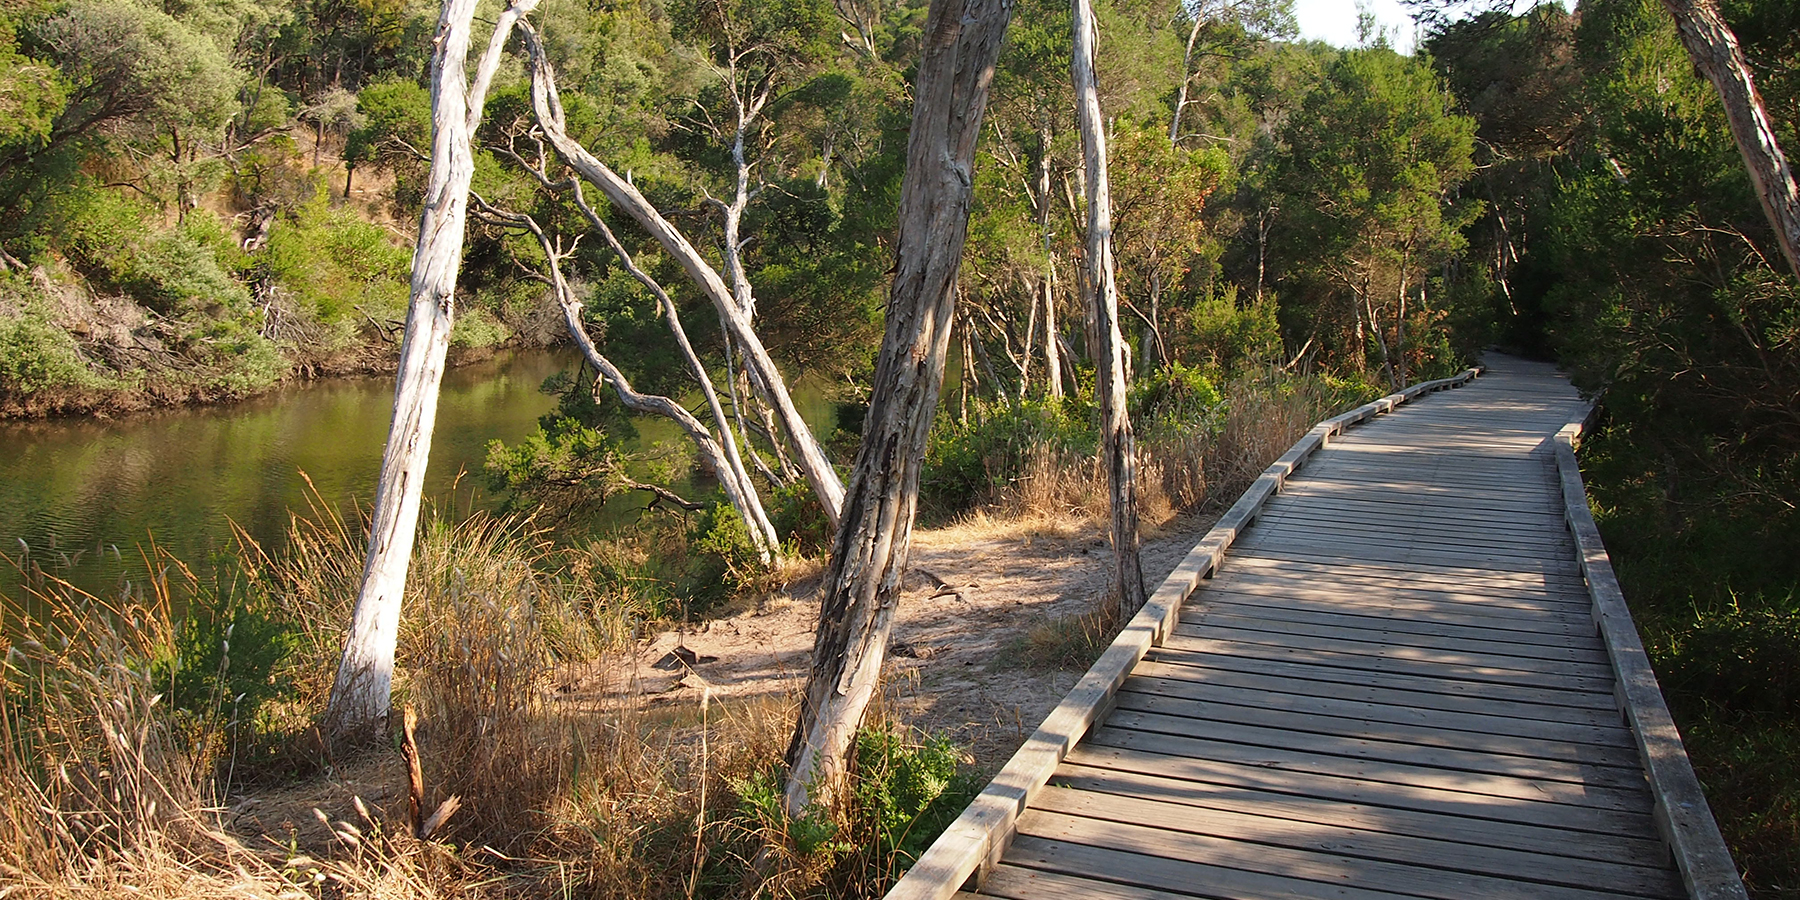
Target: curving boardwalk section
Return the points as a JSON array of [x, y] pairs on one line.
[[1393, 687]]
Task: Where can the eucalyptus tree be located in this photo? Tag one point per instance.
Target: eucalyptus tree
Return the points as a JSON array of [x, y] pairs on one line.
[[729, 293], [1223, 28], [1367, 187], [1102, 298], [360, 695], [1715, 51], [862, 581]]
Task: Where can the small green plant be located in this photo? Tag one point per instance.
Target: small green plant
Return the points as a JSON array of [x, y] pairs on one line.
[[909, 786], [971, 462], [905, 789]]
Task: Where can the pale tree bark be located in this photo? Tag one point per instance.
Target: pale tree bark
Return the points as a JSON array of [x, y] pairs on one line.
[[1103, 295], [1052, 337], [740, 492], [735, 479], [1715, 51], [359, 696], [1187, 76], [547, 106], [862, 583]]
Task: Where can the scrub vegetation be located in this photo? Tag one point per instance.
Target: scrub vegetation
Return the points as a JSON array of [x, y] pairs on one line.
[[202, 201]]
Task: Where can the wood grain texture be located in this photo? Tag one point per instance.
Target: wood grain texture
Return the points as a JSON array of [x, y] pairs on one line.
[[1401, 680]]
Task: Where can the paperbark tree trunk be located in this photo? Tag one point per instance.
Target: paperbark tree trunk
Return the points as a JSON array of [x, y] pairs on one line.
[[548, 109], [862, 583], [1103, 296], [1715, 51], [1052, 337], [359, 696]]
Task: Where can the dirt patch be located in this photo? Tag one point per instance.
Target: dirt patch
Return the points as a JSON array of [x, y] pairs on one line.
[[954, 668]]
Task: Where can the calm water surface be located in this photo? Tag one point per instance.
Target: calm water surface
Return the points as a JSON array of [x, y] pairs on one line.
[[78, 488]]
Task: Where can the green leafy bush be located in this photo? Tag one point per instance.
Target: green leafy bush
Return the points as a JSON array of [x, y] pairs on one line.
[[906, 787], [1176, 398], [969, 462], [35, 353], [339, 267]]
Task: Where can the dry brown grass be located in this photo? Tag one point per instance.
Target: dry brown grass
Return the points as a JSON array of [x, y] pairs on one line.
[[1179, 468], [104, 790]]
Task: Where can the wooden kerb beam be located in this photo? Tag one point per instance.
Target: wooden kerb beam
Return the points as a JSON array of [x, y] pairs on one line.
[[974, 843], [1682, 815]]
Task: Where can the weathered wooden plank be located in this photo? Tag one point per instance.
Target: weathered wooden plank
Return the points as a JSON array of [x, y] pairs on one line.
[[1539, 604], [1035, 884], [1610, 744], [1370, 629], [1595, 707], [1538, 839], [1421, 571], [1422, 534], [1417, 881], [1470, 552], [1422, 561], [1174, 876], [1381, 657], [1367, 769], [1415, 575], [1529, 808], [1357, 840], [1445, 621], [1512, 717], [1166, 717]]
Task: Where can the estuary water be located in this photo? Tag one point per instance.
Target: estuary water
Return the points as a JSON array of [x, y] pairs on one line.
[[81, 496]]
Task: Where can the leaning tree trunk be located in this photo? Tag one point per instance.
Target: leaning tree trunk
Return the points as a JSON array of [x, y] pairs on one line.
[[862, 583], [548, 109], [1715, 51], [359, 697], [1103, 294]]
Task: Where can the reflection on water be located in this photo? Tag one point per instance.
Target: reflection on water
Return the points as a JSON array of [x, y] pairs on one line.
[[177, 477]]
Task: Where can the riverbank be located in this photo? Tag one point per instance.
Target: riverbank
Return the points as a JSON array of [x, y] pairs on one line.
[[602, 732]]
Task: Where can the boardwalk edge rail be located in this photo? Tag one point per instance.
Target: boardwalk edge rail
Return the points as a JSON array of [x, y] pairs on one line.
[[974, 843], [1682, 814]]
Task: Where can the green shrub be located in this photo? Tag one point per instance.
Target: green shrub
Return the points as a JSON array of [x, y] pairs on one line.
[[1177, 398], [220, 669], [336, 264], [798, 518], [968, 463], [906, 787], [476, 328], [720, 560], [1741, 656], [36, 356]]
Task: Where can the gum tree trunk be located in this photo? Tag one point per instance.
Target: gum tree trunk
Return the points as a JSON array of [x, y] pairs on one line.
[[359, 696], [862, 583], [1715, 52], [1103, 295]]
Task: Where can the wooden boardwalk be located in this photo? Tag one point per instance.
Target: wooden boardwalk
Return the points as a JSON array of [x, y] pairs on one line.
[[1393, 686]]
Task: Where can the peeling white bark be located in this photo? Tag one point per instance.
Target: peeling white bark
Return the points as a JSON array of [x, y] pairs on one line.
[[360, 694], [862, 584], [1103, 295]]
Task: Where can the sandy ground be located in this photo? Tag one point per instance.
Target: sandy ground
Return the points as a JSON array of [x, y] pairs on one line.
[[973, 591], [955, 668]]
